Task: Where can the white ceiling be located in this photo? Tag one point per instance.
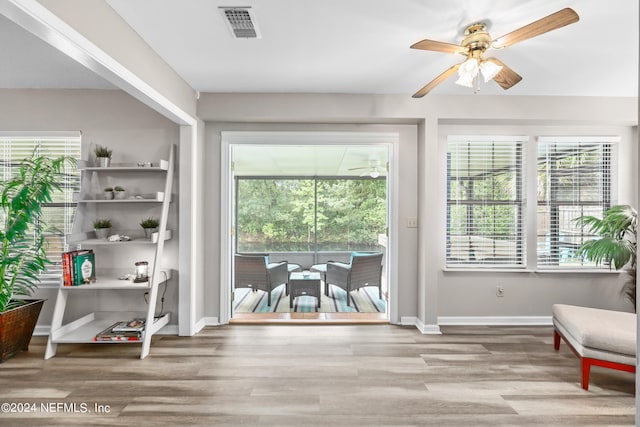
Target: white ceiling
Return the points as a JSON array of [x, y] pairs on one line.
[[353, 46], [362, 46]]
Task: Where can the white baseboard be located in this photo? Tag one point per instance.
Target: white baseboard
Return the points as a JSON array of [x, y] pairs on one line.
[[41, 330], [495, 320], [206, 321], [408, 321], [422, 327]]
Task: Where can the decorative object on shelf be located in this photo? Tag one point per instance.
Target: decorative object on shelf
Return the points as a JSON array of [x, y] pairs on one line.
[[102, 228], [103, 156], [145, 164], [150, 226], [118, 238], [108, 193], [23, 248], [119, 192], [142, 272]]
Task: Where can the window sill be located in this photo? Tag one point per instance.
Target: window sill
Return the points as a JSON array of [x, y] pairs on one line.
[[474, 269]]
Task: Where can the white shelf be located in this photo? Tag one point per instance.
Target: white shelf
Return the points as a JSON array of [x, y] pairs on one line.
[[161, 166], [84, 329], [87, 239], [109, 281]]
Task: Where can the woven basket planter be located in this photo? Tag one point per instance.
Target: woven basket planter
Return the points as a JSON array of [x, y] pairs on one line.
[[16, 328]]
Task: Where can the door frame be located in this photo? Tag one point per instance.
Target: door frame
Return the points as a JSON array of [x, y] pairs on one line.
[[230, 138]]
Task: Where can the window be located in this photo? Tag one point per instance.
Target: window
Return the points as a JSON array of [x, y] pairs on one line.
[[309, 214], [574, 179], [485, 201], [60, 212]]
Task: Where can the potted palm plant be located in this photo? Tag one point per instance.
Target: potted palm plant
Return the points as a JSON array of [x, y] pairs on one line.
[[23, 249], [617, 245]]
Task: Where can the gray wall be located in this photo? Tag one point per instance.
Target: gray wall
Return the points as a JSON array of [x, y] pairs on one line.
[[106, 117], [426, 291]]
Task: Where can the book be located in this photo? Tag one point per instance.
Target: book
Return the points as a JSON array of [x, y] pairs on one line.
[[129, 331], [84, 267], [66, 269], [135, 325]]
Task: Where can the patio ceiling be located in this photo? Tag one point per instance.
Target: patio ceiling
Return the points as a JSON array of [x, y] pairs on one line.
[[309, 160]]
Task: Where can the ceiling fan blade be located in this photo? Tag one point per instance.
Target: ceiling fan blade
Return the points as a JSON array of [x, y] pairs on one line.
[[548, 23], [506, 78], [435, 82], [427, 44]]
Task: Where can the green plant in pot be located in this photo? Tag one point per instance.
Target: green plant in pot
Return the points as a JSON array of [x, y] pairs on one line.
[[102, 227], [119, 192], [23, 248], [617, 245], [103, 155], [108, 193], [150, 226]]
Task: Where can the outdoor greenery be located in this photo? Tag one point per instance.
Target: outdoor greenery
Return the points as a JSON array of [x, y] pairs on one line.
[[290, 214], [616, 246], [23, 248]]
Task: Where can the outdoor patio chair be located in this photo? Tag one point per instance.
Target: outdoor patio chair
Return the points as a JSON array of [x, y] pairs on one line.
[[256, 272], [363, 270]]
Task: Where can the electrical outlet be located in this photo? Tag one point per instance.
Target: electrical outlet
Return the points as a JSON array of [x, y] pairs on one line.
[[499, 291], [412, 222]]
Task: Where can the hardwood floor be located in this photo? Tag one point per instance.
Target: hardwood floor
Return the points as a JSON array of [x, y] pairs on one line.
[[318, 375]]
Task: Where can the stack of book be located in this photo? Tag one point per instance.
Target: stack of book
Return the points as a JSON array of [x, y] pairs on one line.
[[78, 267], [130, 330]]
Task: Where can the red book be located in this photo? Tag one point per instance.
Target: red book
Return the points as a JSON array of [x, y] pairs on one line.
[[66, 269]]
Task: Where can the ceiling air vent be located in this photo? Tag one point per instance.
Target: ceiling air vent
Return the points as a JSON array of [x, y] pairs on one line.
[[241, 22]]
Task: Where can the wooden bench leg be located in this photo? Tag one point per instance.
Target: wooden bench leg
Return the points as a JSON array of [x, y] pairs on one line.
[[586, 371], [556, 340]]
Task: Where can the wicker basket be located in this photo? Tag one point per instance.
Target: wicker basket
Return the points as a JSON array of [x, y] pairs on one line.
[[16, 328]]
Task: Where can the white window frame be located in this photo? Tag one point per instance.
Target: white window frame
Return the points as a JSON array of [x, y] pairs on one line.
[[607, 201], [521, 202]]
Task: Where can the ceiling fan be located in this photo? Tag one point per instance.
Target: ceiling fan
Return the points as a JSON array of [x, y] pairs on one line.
[[373, 170], [477, 41]]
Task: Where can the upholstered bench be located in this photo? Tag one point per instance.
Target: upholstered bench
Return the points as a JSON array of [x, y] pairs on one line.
[[598, 337]]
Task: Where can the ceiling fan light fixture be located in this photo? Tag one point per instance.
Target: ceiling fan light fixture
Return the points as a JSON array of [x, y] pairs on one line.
[[489, 70], [467, 72], [374, 174]]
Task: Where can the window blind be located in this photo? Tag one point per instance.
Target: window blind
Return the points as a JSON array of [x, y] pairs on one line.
[[575, 178], [58, 215], [485, 193]]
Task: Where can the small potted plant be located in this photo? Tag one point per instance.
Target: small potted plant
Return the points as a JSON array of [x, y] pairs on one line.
[[108, 193], [103, 156], [150, 226], [102, 228], [119, 192]]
